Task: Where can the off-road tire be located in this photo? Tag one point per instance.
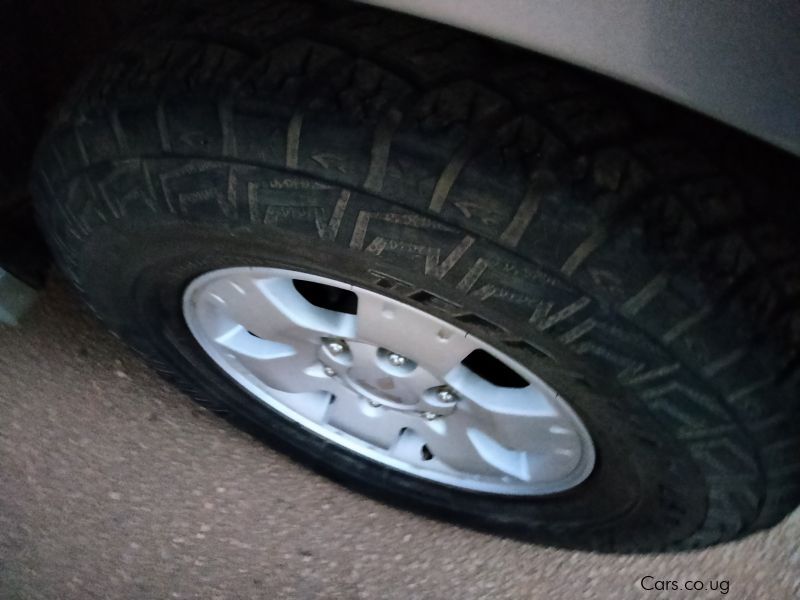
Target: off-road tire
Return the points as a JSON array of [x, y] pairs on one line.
[[546, 211]]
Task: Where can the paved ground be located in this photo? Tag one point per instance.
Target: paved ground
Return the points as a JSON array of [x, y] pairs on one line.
[[113, 485]]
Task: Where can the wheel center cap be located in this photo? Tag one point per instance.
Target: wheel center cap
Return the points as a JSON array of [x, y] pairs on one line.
[[379, 387], [382, 390], [379, 375]]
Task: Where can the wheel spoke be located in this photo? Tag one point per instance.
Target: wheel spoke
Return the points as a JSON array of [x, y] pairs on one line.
[[498, 400], [407, 331], [408, 447], [293, 374], [239, 340], [272, 308], [453, 442], [524, 418], [355, 416]]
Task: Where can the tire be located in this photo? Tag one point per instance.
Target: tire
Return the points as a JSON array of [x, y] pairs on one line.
[[508, 195]]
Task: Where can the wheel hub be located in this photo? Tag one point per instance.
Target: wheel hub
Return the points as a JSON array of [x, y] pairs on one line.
[[384, 378], [388, 381]]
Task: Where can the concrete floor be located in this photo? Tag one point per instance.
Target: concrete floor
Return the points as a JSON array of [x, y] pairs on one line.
[[114, 485]]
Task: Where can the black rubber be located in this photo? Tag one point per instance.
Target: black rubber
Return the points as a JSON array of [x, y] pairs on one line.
[[551, 213]]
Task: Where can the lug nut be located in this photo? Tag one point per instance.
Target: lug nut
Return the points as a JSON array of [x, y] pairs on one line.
[[446, 395], [329, 371], [430, 416], [336, 347], [397, 360]]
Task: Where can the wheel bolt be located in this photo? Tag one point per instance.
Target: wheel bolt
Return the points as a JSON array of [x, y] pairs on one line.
[[329, 371], [446, 395], [430, 416], [336, 347], [397, 360]]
